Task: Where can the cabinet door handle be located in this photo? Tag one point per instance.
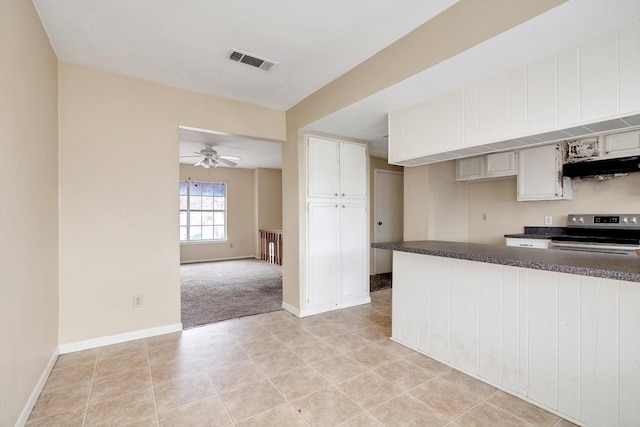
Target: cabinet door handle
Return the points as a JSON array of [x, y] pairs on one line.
[[343, 206], [342, 194], [335, 194], [379, 222]]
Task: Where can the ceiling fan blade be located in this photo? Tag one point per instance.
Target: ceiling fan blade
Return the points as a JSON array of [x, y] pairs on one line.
[[190, 156], [236, 158], [199, 162], [226, 162]]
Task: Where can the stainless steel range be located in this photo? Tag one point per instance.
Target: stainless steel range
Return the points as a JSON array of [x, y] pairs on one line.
[[615, 234]]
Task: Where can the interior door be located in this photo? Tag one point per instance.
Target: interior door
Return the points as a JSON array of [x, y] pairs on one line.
[[388, 210]]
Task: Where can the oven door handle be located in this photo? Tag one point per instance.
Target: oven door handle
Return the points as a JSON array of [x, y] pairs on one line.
[[594, 247]]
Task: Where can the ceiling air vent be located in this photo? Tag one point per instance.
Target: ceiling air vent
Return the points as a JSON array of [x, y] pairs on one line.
[[251, 60]]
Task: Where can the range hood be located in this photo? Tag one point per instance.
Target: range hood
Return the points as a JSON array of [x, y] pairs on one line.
[[602, 167]]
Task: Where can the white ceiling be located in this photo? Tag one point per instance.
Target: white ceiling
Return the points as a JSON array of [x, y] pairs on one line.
[[254, 153], [183, 43]]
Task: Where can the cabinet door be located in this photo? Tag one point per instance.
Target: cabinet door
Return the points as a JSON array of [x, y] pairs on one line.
[[469, 168], [353, 170], [568, 63], [430, 127], [471, 115], [541, 94], [518, 101], [493, 108], [528, 243], [395, 144], [630, 66], [453, 120], [599, 76], [500, 164], [353, 250], [410, 132], [622, 144], [322, 167], [539, 173], [322, 254]]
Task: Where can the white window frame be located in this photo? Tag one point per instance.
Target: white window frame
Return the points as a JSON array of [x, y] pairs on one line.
[[188, 210]]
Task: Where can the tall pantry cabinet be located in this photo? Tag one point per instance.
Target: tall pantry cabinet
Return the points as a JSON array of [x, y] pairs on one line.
[[337, 268]]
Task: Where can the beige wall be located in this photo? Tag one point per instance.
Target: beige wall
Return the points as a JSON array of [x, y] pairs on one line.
[[269, 192], [435, 205], [439, 208], [463, 25], [268, 201], [505, 215], [118, 195], [241, 235], [28, 205]]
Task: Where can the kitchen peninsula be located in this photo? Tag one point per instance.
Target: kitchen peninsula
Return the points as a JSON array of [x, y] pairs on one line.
[[557, 328]]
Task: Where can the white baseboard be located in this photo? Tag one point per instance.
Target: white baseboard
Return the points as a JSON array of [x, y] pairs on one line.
[[219, 259], [119, 338], [33, 398], [291, 309]]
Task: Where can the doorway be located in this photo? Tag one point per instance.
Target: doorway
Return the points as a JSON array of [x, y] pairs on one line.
[[388, 198]]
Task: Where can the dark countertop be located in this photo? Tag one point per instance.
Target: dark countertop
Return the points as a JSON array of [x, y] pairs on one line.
[[617, 267], [539, 233]]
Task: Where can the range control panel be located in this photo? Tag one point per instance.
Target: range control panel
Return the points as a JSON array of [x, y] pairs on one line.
[[628, 221]]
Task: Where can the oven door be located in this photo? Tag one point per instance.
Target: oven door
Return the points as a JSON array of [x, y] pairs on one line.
[[604, 248]]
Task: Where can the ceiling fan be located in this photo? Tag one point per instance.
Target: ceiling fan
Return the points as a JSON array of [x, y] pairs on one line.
[[210, 157]]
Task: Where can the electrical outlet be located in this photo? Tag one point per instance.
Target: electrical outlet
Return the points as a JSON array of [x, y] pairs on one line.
[[137, 301], [548, 220]]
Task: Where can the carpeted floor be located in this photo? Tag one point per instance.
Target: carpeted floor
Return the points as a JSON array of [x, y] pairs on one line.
[[215, 291]]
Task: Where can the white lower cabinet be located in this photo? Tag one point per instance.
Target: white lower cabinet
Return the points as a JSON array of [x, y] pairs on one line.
[[336, 256], [540, 174], [567, 343], [528, 243]]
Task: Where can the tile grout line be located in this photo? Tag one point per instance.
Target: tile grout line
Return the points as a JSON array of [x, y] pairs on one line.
[[153, 386], [93, 377]]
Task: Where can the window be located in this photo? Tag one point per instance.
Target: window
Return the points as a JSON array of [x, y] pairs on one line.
[[202, 211]]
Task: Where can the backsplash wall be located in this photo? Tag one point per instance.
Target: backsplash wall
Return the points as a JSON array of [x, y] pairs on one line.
[[504, 215]]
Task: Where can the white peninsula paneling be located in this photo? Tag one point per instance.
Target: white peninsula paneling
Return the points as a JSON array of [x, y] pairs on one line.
[[568, 343]]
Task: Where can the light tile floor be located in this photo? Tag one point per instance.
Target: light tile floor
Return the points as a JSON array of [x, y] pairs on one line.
[[273, 369]]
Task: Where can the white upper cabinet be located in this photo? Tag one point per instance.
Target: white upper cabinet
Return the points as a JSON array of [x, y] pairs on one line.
[[470, 114], [323, 174], [353, 170], [622, 144], [494, 165], [453, 120], [541, 100], [430, 126], [396, 137], [568, 62], [410, 131], [470, 168], [540, 174], [518, 100], [500, 164], [595, 80], [336, 168], [493, 107], [599, 76], [629, 42]]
